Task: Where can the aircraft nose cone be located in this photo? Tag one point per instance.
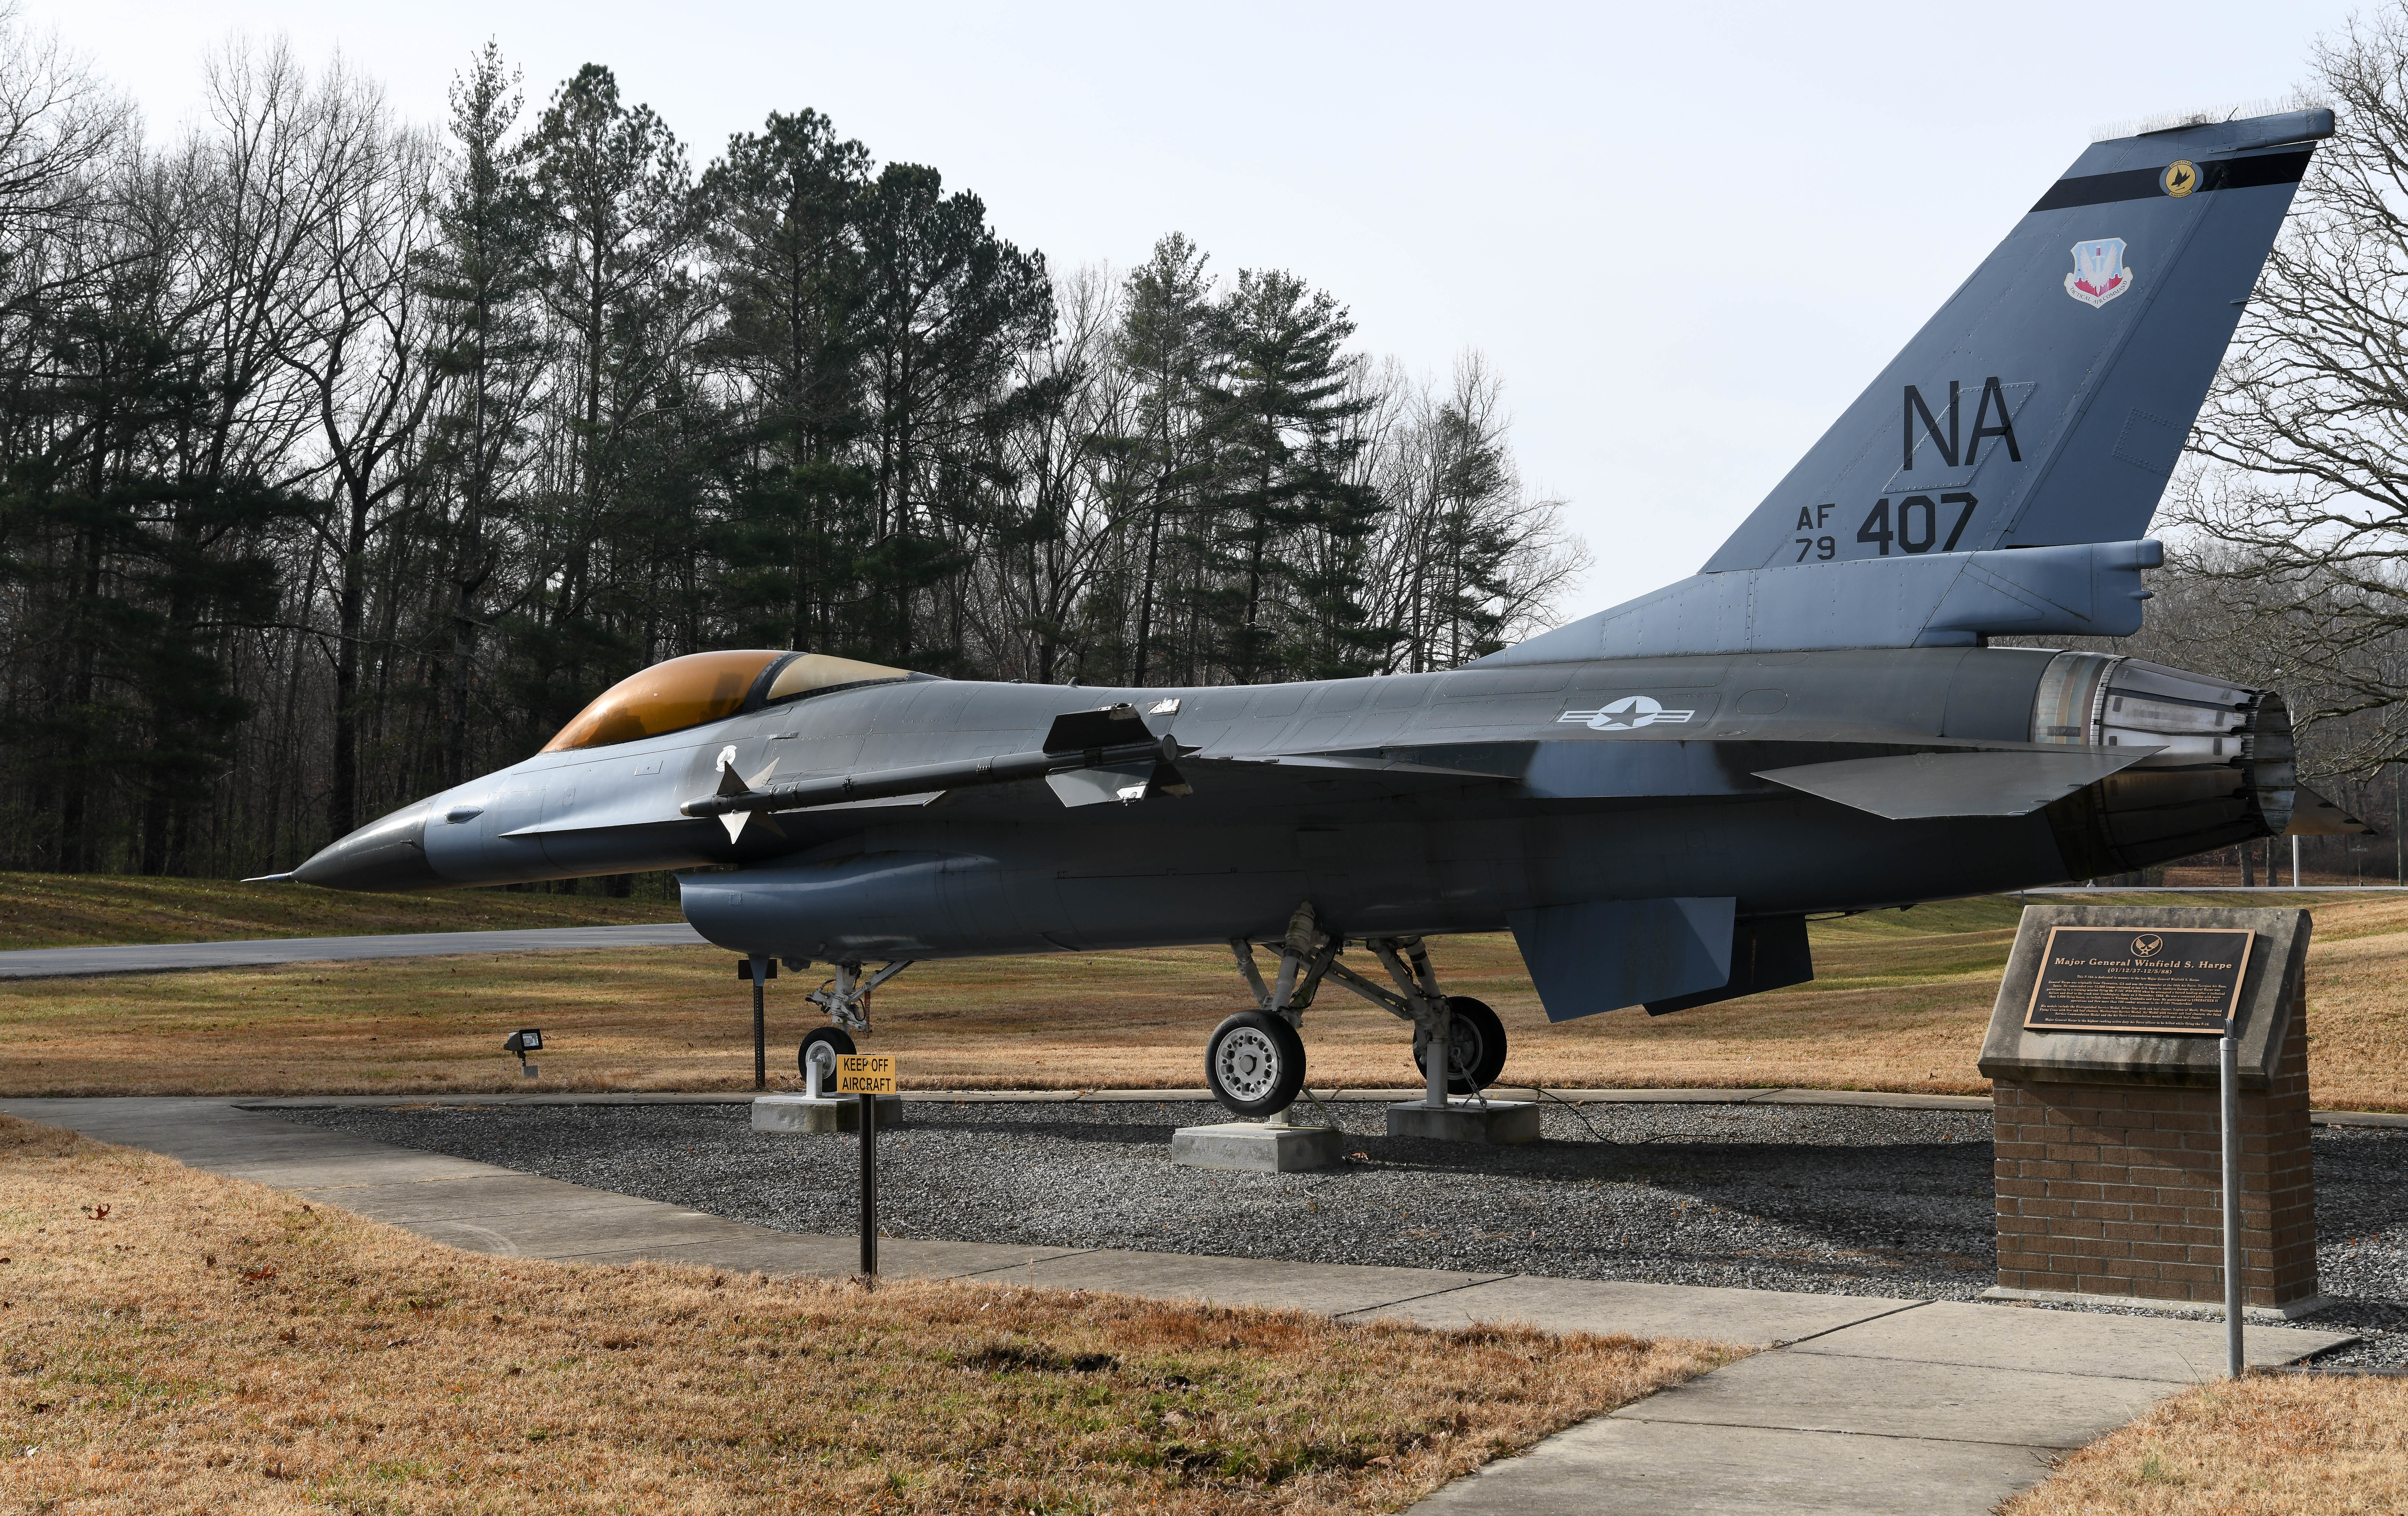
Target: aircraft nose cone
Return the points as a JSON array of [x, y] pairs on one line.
[[387, 854]]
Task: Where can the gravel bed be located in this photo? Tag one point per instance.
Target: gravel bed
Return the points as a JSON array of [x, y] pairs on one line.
[[1829, 1200]]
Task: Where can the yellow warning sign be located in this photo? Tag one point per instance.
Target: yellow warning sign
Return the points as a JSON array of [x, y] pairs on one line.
[[864, 1073], [2182, 176]]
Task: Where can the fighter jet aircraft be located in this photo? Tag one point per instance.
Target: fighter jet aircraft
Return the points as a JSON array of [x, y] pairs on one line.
[[1827, 718]]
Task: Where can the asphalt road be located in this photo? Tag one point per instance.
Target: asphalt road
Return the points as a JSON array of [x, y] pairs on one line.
[[161, 957]]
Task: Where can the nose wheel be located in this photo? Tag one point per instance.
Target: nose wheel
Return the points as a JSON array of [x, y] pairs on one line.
[[1255, 1064], [837, 1043]]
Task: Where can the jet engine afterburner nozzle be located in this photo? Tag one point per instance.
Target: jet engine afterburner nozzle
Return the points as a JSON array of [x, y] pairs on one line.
[[2223, 773]]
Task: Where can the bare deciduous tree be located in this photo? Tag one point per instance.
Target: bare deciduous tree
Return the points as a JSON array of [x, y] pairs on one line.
[[2297, 506]]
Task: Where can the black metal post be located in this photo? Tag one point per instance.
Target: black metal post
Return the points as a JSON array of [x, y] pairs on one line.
[[2227, 1063], [870, 1184], [760, 1025]]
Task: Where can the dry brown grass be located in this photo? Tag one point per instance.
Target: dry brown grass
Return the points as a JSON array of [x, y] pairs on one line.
[[676, 1019], [179, 1342], [1899, 1003], [2268, 1446], [68, 911]]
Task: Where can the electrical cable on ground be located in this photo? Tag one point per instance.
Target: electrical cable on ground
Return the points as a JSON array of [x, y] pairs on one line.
[[1325, 1113], [1571, 1107]]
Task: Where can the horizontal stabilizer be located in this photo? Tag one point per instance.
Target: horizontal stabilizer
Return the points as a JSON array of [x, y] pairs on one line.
[[2313, 815], [1919, 785], [1605, 954]]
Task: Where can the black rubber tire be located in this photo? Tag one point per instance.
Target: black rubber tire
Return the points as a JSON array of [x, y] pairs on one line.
[[1475, 1046], [1264, 1061], [836, 1037]]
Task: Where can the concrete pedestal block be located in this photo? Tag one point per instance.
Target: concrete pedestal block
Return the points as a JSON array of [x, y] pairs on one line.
[[1499, 1121], [1254, 1148], [827, 1113]]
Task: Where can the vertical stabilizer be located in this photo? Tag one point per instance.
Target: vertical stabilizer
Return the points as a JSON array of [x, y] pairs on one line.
[[2048, 401]]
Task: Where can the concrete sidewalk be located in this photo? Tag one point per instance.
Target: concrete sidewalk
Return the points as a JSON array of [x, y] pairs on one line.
[[1866, 1406], [1767, 1095]]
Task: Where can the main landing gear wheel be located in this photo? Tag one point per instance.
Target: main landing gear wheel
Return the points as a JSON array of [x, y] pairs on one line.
[[1255, 1063], [1475, 1046], [838, 1040]]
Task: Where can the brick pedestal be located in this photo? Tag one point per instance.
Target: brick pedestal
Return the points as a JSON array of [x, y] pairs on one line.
[[2118, 1190], [2110, 1152]]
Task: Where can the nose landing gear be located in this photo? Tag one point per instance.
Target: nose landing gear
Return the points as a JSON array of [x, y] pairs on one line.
[[846, 1000]]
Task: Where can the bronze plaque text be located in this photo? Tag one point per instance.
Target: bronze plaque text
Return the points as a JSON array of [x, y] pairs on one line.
[[2139, 979]]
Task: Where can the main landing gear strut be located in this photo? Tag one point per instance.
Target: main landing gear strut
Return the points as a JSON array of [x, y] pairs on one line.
[[846, 1000], [1255, 1061]]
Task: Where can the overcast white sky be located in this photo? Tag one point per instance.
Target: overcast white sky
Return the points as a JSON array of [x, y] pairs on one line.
[[1686, 234]]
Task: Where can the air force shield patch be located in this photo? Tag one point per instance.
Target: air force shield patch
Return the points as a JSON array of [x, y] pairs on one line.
[[2098, 273]]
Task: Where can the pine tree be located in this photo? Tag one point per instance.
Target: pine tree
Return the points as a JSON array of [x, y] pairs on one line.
[[784, 207], [485, 281], [614, 190], [1278, 404], [1166, 347], [950, 306]]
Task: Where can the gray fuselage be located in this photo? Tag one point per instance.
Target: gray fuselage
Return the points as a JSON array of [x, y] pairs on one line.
[[1401, 806]]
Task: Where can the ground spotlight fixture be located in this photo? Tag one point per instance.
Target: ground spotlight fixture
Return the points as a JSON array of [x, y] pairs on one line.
[[524, 1041]]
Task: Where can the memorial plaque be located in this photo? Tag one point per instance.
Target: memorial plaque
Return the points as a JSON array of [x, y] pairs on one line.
[[2140, 979], [864, 1074]]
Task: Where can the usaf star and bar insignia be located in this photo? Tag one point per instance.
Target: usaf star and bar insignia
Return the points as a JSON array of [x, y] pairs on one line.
[[1631, 710]]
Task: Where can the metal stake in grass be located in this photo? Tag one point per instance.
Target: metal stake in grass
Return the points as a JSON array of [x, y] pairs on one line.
[[760, 971], [2229, 1071], [868, 1075], [870, 1186]]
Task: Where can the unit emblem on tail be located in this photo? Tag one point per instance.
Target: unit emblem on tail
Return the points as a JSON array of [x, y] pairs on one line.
[[2098, 273]]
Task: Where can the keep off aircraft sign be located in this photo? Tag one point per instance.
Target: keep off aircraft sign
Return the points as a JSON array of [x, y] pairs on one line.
[[864, 1074]]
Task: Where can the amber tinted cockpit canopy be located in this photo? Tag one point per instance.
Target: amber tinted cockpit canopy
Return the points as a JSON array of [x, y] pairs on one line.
[[708, 687], [667, 697], [808, 672]]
